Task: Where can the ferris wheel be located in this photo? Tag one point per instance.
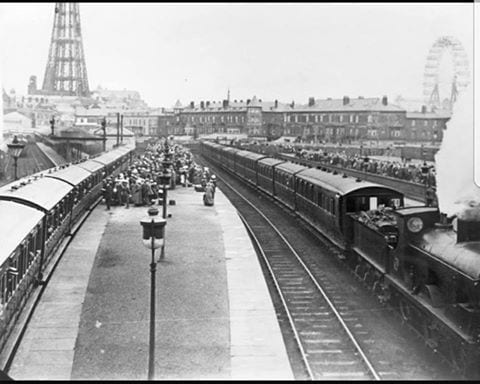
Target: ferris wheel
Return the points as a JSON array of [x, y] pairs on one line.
[[460, 76]]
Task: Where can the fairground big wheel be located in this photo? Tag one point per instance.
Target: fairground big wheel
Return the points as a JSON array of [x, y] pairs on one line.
[[458, 80]]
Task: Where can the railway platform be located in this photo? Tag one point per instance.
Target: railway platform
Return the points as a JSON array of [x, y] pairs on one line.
[[214, 316]]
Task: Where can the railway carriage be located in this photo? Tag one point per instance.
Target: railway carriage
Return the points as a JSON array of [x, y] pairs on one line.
[[22, 234], [229, 157], [284, 182], [115, 161], [325, 198], [37, 214], [53, 197], [425, 268], [246, 165], [85, 189], [266, 174]]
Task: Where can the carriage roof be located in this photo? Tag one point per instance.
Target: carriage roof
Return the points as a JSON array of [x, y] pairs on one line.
[[338, 183], [17, 222], [43, 193]]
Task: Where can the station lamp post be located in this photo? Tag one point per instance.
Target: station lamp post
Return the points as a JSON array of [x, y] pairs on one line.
[[165, 180], [15, 149], [104, 129], [153, 238]]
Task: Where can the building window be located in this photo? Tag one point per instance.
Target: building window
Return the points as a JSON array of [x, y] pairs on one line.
[[351, 119], [425, 123], [413, 123], [369, 118]]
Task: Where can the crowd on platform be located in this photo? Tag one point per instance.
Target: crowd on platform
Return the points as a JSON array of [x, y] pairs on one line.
[[414, 172], [142, 183]]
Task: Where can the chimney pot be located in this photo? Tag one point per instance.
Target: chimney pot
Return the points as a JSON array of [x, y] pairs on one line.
[[346, 100], [384, 100]]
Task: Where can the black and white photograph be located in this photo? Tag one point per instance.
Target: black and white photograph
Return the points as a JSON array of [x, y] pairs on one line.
[[239, 191]]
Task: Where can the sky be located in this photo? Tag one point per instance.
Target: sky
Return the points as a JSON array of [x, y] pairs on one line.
[[283, 51]]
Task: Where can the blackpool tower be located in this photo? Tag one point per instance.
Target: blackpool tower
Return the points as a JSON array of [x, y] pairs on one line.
[[66, 72]]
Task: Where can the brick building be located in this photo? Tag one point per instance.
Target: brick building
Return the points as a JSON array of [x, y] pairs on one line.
[[425, 126], [333, 120]]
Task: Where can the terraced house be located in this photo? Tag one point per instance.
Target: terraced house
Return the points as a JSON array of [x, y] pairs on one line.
[[332, 120]]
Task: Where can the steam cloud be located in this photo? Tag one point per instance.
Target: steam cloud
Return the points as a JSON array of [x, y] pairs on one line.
[[457, 193]]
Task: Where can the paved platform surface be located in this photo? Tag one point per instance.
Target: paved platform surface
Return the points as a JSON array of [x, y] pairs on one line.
[[214, 318]]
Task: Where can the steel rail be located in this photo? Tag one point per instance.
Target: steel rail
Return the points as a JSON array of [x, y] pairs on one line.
[[280, 293], [315, 282]]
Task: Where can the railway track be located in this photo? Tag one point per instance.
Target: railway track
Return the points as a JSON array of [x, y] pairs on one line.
[[329, 348], [341, 332]]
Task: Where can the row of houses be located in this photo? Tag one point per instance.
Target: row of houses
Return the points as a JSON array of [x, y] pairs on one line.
[[335, 120], [332, 120]]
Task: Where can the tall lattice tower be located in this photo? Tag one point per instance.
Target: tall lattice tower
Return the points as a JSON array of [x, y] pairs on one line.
[[66, 72]]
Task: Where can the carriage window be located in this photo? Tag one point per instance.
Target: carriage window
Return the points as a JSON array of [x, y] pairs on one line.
[[333, 205], [373, 203]]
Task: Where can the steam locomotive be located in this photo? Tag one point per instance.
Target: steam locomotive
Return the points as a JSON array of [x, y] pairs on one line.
[[38, 215], [410, 257]]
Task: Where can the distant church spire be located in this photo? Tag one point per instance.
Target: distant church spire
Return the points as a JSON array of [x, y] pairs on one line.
[[228, 94]]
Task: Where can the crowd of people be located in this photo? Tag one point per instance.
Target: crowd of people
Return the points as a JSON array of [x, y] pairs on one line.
[[141, 184], [414, 172]]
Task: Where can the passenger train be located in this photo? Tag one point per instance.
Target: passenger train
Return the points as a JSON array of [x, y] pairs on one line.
[[37, 215], [408, 256]]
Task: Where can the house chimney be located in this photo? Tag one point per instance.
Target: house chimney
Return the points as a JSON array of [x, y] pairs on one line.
[[202, 104], [311, 101], [384, 100], [225, 103], [293, 104], [276, 103], [424, 109], [346, 100], [192, 104], [259, 100], [248, 101], [360, 97], [208, 103]]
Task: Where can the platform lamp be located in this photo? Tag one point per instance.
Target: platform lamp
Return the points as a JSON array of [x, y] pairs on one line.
[[15, 149], [425, 170], [153, 238], [165, 180]]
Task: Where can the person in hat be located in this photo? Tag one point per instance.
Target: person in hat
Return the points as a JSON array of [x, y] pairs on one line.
[[209, 194]]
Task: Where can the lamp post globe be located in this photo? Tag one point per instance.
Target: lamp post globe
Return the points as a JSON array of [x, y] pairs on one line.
[[153, 229]]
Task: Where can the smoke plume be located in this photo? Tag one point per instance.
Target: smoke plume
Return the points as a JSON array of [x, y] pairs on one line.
[[457, 193]]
